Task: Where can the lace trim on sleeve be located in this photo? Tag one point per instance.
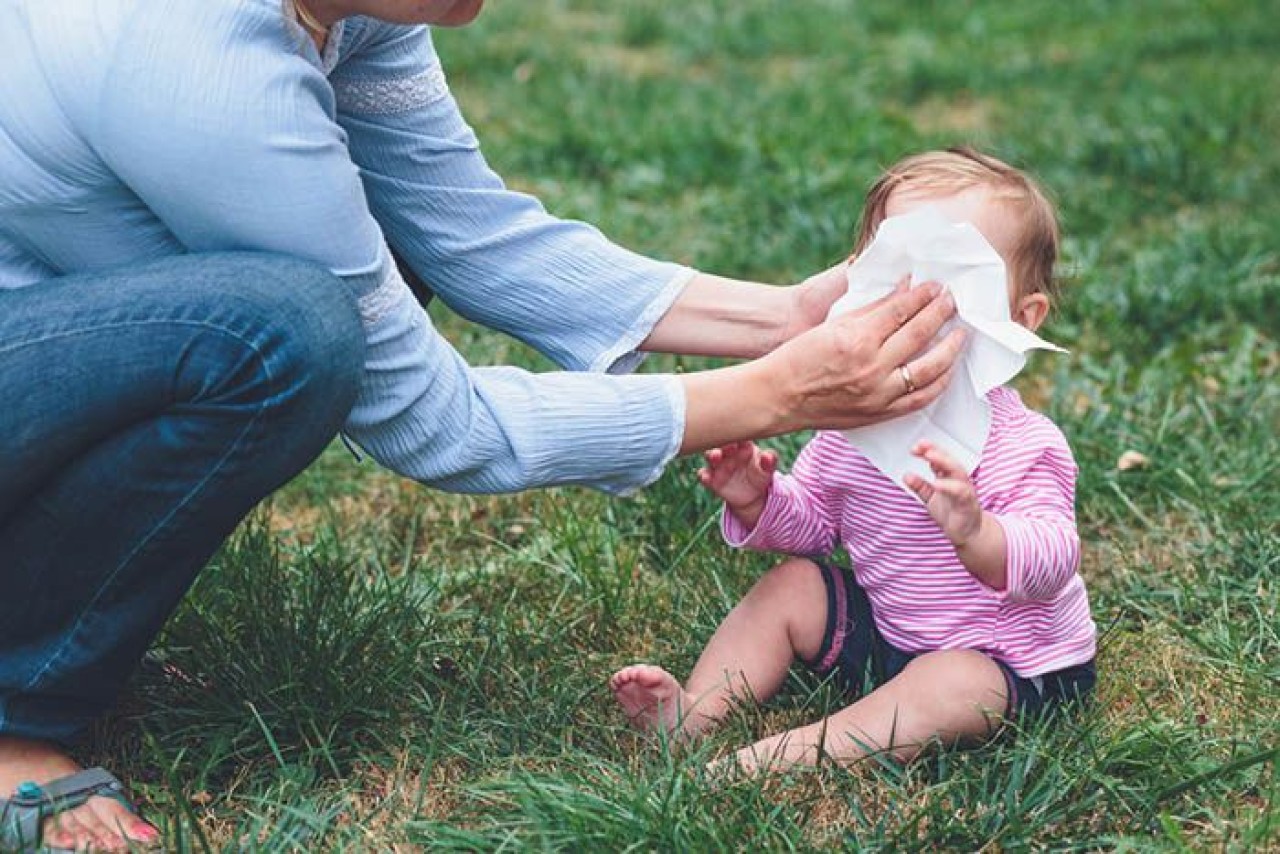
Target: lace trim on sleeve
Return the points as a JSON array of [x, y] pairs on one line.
[[385, 298], [385, 97]]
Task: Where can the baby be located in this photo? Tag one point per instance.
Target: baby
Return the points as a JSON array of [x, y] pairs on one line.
[[964, 607]]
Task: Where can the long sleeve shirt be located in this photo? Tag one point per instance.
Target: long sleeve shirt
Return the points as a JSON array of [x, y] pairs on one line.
[[922, 597], [136, 129]]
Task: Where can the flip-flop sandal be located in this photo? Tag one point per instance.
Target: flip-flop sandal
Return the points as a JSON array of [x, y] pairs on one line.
[[22, 815]]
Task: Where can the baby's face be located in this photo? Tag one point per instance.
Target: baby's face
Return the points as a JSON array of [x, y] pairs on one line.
[[993, 220]]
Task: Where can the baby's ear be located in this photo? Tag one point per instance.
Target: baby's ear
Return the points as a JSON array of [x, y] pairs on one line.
[[1031, 310]]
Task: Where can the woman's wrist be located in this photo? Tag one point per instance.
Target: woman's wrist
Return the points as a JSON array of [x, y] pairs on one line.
[[735, 403], [717, 316]]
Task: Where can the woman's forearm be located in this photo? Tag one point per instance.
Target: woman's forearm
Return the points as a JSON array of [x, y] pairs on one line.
[[733, 404], [718, 316]]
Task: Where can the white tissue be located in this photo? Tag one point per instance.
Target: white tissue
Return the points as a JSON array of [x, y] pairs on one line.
[[930, 247]]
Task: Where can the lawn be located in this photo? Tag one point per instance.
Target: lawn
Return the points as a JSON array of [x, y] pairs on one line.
[[369, 665]]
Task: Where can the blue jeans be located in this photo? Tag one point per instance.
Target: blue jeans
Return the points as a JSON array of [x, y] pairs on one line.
[[145, 410]]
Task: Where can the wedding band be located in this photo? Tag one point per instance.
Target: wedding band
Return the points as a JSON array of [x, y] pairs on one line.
[[905, 373]]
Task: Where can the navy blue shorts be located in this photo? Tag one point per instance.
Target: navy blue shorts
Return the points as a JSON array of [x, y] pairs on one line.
[[863, 660]]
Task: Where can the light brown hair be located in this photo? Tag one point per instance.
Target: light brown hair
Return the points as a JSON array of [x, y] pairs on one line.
[[955, 170]]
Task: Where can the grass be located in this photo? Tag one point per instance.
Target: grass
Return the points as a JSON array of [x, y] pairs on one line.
[[371, 666]]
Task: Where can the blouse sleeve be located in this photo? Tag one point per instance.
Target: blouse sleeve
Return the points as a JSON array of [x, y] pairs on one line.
[[220, 125], [492, 254]]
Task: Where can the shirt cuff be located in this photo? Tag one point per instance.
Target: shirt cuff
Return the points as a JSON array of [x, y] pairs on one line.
[[674, 390], [739, 535], [623, 357], [1019, 547]]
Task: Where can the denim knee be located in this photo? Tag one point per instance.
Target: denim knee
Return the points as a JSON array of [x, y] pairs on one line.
[[316, 337]]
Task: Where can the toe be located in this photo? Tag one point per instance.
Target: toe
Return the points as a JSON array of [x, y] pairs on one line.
[[651, 676], [628, 675], [121, 822], [65, 830], [95, 832]]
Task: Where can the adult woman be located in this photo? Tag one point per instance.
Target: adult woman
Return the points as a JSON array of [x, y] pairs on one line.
[[183, 382]]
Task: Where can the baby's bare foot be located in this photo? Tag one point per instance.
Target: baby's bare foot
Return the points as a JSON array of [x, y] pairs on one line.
[[651, 698]]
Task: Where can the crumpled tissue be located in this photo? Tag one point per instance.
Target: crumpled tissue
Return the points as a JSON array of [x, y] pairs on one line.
[[930, 247]]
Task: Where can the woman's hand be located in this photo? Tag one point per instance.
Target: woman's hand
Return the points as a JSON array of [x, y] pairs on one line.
[[740, 474], [870, 365], [859, 368], [811, 300]]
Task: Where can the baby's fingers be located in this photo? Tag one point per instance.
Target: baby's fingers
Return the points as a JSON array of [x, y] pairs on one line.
[[921, 487], [768, 461], [943, 464]]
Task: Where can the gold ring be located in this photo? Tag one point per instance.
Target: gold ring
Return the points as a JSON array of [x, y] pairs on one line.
[[905, 373]]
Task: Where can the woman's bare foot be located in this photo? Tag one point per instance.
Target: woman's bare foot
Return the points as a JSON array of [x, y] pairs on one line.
[[99, 824], [653, 700]]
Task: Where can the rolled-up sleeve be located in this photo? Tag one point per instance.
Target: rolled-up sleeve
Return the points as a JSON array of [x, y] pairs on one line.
[[239, 148], [492, 254]]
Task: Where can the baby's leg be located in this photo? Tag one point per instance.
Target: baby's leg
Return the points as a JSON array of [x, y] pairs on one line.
[[952, 695], [783, 616]]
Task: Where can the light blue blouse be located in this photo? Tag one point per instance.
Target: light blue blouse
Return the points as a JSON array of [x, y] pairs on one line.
[[134, 129]]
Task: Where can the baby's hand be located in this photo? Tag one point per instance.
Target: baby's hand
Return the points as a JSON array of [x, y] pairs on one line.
[[951, 499], [740, 473]]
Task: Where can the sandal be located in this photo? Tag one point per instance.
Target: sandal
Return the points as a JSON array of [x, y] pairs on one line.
[[22, 815]]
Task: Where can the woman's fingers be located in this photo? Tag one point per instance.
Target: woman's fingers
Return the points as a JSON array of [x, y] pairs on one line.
[[915, 333], [906, 322], [898, 311], [928, 367], [920, 381], [920, 398]]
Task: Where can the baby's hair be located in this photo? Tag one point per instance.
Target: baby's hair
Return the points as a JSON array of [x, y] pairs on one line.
[[955, 170]]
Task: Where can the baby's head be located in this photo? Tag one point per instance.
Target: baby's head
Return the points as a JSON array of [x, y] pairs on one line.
[[1006, 205]]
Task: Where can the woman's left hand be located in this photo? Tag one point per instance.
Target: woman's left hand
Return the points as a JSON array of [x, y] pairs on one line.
[[811, 300]]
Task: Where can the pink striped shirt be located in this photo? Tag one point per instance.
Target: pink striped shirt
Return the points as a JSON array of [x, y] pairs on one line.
[[922, 597]]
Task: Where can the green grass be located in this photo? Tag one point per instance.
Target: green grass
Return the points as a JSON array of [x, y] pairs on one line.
[[371, 665]]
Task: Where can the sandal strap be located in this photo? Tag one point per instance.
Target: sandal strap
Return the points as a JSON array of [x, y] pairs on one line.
[[67, 792]]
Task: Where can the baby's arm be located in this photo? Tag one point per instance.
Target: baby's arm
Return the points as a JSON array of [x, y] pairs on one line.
[[1039, 525], [795, 514], [1031, 549]]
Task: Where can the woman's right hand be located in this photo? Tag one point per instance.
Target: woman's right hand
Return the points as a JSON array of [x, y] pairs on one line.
[[871, 365], [860, 368]]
